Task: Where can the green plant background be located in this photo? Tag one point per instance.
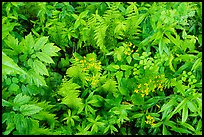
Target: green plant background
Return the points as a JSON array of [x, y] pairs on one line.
[[94, 68]]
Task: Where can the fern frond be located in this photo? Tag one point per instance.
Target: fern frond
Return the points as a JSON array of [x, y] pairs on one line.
[[70, 92]]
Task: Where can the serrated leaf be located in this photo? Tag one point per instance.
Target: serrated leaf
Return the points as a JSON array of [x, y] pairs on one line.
[[38, 80], [39, 67], [40, 43], [29, 41], [6, 103], [12, 42], [29, 110], [50, 49], [21, 99], [44, 57], [9, 66]]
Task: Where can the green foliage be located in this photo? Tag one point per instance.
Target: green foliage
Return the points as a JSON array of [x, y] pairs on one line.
[[94, 68]]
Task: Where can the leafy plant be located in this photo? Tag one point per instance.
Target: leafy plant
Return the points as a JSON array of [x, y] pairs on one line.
[[94, 68]]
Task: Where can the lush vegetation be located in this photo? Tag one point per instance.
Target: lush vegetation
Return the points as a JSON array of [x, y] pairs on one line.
[[125, 68]]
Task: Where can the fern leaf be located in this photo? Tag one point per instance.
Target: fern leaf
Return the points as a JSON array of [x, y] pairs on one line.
[[70, 93]]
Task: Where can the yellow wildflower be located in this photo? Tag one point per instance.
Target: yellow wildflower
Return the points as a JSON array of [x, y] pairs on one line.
[[136, 90], [142, 95], [145, 84], [160, 86], [153, 124], [147, 122], [139, 86], [76, 59], [149, 117]]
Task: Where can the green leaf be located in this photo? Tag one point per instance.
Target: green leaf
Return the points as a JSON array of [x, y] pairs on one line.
[[181, 130], [77, 23], [44, 57], [168, 105], [12, 42], [191, 106], [119, 75], [29, 41], [129, 59], [180, 106], [185, 113], [39, 67], [197, 63], [29, 110], [38, 80], [137, 115], [188, 126], [164, 130], [40, 43], [50, 50], [125, 67], [21, 99], [170, 63], [6, 103], [9, 66], [13, 87], [161, 47], [137, 99]]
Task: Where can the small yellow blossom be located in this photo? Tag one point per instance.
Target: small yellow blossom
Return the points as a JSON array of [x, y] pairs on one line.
[[160, 86], [155, 85], [149, 117], [145, 84], [142, 95], [147, 122], [136, 90], [153, 124], [139, 86], [76, 59]]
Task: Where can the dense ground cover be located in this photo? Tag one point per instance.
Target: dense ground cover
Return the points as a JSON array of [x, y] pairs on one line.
[[122, 68]]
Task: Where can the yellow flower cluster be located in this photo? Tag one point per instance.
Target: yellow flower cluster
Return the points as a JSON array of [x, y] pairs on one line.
[[150, 120], [145, 88], [128, 51], [94, 80], [89, 65]]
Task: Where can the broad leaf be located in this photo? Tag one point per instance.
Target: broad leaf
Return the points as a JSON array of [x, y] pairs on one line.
[[44, 57], [40, 43], [9, 66], [21, 99], [30, 109], [39, 67]]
